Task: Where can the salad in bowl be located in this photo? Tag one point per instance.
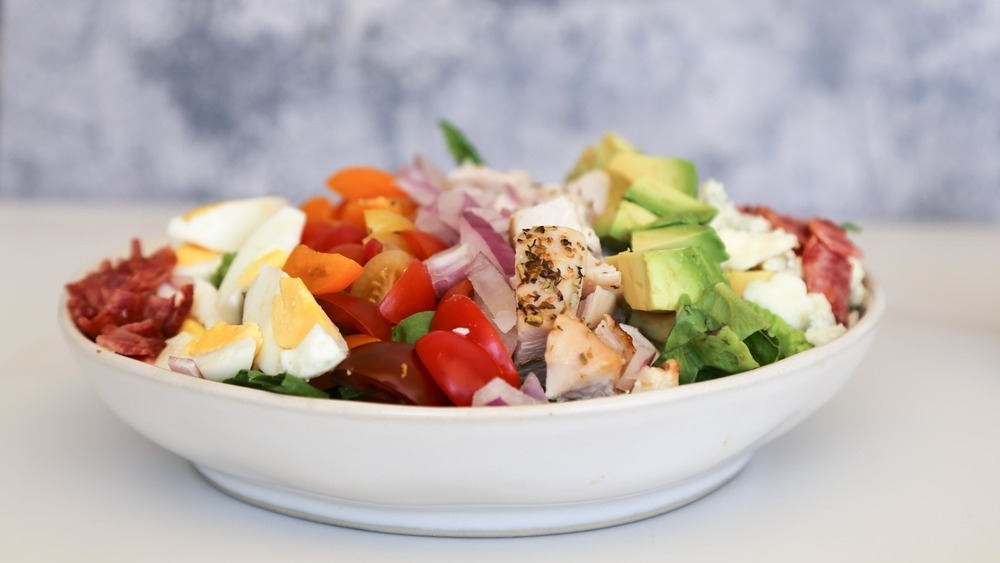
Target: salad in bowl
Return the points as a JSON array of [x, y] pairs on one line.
[[480, 287], [619, 343]]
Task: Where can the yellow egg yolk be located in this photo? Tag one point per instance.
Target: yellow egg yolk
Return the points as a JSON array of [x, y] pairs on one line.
[[295, 312], [193, 327], [274, 258], [222, 335], [188, 254]]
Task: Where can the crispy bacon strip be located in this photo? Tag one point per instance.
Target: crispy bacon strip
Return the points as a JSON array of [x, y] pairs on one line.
[[828, 272], [825, 249], [117, 305]]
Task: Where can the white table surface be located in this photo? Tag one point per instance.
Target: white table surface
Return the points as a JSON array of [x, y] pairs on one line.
[[902, 465]]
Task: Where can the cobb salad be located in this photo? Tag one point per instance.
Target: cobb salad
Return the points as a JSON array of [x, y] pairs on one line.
[[479, 286]]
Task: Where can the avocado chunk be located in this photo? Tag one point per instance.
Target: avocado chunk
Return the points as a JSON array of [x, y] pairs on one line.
[[655, 280], [598, 155], [625, 167], [654, 325], [668, 203], [681, 236], [627, 218], [677, 174]]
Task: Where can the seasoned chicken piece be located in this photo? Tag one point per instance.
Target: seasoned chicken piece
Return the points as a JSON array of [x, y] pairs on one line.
[[598, 273], [560, 211], [579, 364], [652, 378], [615, 338], [548, 266]]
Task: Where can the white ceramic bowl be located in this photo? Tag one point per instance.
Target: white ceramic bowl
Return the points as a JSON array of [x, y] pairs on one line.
[[473, 471]]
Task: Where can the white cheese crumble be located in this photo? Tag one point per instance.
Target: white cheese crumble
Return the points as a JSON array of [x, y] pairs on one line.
[[858, 290], [750, 240], [785, 295]]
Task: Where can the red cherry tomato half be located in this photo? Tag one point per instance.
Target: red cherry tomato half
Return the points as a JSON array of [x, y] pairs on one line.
[[322, 236], [351, 250], [371, 249], [424, 244], [385, 372], [463, 287], [458, 311], [354, 315], [412, 293], [458, 365]]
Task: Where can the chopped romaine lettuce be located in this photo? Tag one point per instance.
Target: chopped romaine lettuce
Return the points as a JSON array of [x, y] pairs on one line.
[[284, 383]]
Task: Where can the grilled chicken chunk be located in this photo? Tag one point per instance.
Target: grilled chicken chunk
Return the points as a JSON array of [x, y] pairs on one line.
[[579, 364], [549, 264]]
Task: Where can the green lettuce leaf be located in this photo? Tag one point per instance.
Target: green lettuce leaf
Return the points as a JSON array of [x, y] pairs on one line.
[[710, 355], [460, 147], [763, 347], [790, 340], [227, 261], [720, 334], [413, 327], [284, 383]]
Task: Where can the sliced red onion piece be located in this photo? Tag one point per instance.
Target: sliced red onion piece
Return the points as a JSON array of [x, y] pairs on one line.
[[498, 392], [450, 206], [421, 180], [509, 337], [494, 289], [594, 306], [476, 232], [187, 366], [533, 387], [428, 221], [645, 354], [448, 267]]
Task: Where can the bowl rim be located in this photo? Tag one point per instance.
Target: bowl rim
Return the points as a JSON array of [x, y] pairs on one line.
[[874, 310]]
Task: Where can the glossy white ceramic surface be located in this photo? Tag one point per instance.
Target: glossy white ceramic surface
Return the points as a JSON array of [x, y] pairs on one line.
[[473, 472]]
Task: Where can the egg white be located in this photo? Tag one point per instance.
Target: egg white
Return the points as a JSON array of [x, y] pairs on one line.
[[282, 232], [225, 226]]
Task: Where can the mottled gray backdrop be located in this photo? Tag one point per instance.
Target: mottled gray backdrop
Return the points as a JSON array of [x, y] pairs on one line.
[[855, 109]]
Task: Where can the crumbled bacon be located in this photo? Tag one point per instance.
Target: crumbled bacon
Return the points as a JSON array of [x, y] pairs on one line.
[[828, 272], [825, 249], [789, 224], [117, 305]]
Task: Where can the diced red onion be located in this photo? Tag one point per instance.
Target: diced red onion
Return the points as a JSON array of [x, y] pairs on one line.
[[509, 337], [421, 181], [533, 387], [479, 235], [594, 306], [495, 291], [497, 221], [450, 206], [498, 392], [428, 221], [187, 366], [645, 353], [448, 267]]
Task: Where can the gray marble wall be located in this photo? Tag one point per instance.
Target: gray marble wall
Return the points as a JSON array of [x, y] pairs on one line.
[[854, 109]]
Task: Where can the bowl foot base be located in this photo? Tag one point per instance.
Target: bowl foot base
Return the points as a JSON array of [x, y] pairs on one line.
[[476, 520]]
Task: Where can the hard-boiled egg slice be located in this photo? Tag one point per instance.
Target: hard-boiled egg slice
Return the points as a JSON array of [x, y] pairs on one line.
[[177, 346], [270, 244], [224, 226], [225, 349], [205, 308], [298, 337], [196, 262]]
